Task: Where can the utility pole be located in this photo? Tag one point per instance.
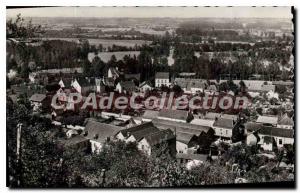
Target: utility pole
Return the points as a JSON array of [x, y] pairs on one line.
[[18, 153]]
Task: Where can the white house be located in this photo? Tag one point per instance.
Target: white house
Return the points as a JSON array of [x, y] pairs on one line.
[[145, 86], [37, 101], [285, 122], [100, 86], [162, 78], [270, 134], [135, 133], [99, 133], [223, 127], [186, 142], [113, 73]]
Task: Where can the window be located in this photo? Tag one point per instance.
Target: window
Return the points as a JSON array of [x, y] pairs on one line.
[[142, 146], [280, 141], [226, 131]]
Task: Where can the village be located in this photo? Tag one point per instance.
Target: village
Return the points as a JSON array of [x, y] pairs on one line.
[[192, 136], [135, 102]]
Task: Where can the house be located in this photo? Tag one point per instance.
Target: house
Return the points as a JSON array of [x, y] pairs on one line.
[[285, 122], [162, 78], [149, 115], [252, 138], [145, 86], [186, 142], [270, 135], [100, 86], [183, 158], [271, 120], [113, 73], [79, 142], [99, 133], [83, 85], [151, 142], [204, 136], [175, 115], [38, 101], [224, 127], [126, 87], [65, 82], [191, 85], [135, 133]]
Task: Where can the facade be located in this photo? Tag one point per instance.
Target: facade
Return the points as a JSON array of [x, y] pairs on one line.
[[149, 143], [37, 101], [145, 86], [99, 133], [125, 87], [162, 79]]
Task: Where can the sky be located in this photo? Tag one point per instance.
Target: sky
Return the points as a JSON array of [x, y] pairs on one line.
[[146, 12]]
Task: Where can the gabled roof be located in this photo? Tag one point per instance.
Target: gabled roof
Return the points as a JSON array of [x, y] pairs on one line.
[[37, 97], [203, 122], [145, 83], [267, 119], [99, 132], [224, 123], [174, 114], [85, 81], [277, 132], [140, 131], [158, 137], [114, 71], [184, 137], [285, 120], [252, 126], [269, 130], [162, 75], [75, 140], [127, 85], [150, 114], [180, 127], [133, 76], [67, 82]]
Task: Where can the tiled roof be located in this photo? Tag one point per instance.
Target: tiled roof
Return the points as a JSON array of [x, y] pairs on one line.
[[174, 114], [267, 119], [184, 137], [162, 75], [97, 131], [285, 120], [269, 130], [203, 122], [180, 127], [224, 123], [144, 83], [159, 137], [128, 85], [133, 76], [37, 97], [140, 131]]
